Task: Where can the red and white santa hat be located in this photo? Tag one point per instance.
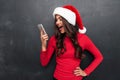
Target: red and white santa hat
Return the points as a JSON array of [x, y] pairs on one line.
[[71, 14]]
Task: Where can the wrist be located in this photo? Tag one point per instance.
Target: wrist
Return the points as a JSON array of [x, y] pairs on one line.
[[43, 48], [84, 74]]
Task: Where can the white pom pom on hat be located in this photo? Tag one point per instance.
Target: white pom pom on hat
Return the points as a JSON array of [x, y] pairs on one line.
[[71, 14]]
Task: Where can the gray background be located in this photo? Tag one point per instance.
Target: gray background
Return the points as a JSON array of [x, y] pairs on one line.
[[20, 43]]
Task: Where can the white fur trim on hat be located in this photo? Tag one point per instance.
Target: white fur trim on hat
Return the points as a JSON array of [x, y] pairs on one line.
[[67, 14], [83, 31]]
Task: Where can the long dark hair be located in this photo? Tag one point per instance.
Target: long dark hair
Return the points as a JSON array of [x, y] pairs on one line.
[[71, 32]]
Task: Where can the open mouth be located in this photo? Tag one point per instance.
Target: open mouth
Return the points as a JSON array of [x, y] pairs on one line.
[[59, 28]]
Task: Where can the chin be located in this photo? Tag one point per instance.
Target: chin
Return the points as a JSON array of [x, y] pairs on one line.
[[62, 32]]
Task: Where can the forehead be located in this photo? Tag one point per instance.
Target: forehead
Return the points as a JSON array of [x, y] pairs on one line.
[[57, 16]]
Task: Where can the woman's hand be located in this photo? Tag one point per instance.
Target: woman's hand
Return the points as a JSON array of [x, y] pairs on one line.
[[44, 38], [79, 72]]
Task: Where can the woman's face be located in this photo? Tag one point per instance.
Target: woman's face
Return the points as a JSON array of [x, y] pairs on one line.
[[59, 23]]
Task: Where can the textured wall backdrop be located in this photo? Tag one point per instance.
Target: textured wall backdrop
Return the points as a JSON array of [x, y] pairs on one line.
[[20, 42]]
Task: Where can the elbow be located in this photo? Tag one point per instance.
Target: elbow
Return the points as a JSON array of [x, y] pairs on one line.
[[43, 63], [100, 58]]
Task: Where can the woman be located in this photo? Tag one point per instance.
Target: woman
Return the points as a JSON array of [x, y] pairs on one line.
[[68, 44]]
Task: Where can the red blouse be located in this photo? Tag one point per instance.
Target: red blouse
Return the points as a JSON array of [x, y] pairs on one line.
[[67, 63]]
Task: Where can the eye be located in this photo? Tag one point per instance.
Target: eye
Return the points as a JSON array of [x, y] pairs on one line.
[[60, 19]]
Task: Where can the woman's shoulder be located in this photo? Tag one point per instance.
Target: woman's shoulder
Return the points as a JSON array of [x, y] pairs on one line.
[[81, 36], [52, 38], [52, 41]]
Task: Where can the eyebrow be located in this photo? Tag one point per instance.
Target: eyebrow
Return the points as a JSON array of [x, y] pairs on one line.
[[58, 17]]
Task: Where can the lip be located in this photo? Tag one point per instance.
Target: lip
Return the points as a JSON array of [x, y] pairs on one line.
[[59, 28]]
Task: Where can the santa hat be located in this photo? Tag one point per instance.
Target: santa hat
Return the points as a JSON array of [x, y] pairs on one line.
[[71, 14]]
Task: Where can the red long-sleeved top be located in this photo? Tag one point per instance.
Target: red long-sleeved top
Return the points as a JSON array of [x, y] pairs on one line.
[[67, 63]]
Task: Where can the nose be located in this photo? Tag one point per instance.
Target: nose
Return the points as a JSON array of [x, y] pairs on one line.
[[57, 22]]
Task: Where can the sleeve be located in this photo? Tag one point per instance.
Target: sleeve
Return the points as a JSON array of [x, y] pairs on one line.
[[46, 55], [95, 52]]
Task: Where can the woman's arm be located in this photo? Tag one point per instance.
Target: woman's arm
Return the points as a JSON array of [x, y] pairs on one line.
[[89, 45], [46, 53]]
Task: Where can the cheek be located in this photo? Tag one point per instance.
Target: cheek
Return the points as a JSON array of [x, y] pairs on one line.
[[61, 22]]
